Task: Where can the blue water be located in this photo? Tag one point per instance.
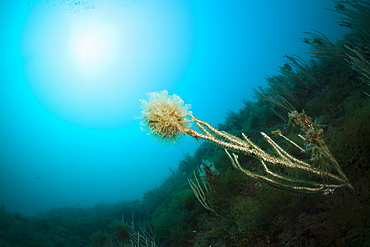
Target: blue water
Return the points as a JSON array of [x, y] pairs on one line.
[[72, 73]]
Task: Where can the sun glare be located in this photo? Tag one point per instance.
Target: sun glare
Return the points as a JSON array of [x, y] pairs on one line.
[[92, 47], [90, 68]]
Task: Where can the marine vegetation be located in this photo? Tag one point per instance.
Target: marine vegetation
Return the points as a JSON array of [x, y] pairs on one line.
[[170, 123], [290, 168], [318, 156]]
